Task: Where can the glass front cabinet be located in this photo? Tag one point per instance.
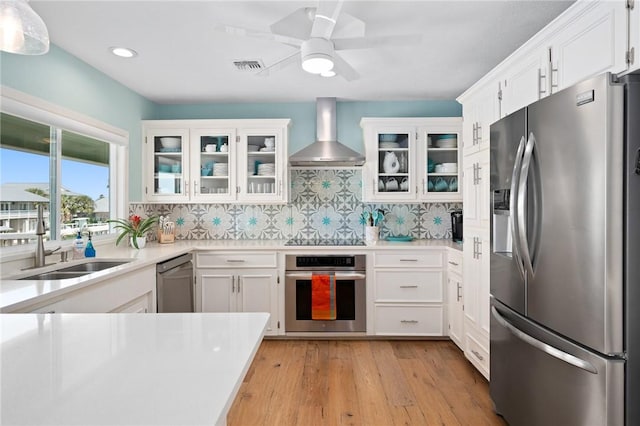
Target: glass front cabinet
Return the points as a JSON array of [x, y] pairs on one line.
[[216, 161], [412, 159]]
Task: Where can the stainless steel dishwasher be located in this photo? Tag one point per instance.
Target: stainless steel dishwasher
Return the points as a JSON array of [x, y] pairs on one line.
[[174, 285]]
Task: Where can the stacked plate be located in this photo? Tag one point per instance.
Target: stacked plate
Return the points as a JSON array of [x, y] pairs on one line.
[[388, 145], [220, 169], [447, 141], [266, 169], [446, 168]]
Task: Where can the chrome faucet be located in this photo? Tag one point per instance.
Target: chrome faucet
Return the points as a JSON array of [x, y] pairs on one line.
[[40, 231]]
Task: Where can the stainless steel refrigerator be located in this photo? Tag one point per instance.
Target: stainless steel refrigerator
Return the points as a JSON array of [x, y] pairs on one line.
[[565, 258]]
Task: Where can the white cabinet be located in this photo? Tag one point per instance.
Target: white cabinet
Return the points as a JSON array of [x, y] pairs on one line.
[[412, 159], [238, 282], [593, 41], [476, 269], [479, 113], [455, 297], [476, 197], [525, 81], [216, 160], [408, 293], [633, 52], [118, 294]]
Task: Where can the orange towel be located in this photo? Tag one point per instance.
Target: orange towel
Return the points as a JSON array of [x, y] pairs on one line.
[[323, 297]]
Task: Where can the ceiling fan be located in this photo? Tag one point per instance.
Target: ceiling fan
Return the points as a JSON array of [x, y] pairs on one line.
[[310, 30]]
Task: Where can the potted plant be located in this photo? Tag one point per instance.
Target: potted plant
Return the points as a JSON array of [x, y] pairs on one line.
[[136, 228]]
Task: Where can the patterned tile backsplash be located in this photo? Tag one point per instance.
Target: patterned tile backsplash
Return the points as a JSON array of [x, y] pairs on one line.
[[325, 203]]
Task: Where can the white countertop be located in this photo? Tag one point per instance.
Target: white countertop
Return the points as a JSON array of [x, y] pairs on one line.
[[17, 294], [124, 369]]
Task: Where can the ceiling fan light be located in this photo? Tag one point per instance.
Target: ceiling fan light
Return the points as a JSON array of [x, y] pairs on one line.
[[317, 64], [22, 31], [330, 73]]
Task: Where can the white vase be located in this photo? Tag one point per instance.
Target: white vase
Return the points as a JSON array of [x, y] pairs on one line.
[[142, 241], [371, 233]]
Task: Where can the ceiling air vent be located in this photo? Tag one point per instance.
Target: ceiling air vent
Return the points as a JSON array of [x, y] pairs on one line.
[[249, 65]]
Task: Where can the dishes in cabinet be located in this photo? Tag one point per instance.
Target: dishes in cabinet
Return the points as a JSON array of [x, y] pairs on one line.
[[164, 168], [266, 169], [389, 145], [170, 142], [220, 169], [446, 141], [446, 168], [253, 148], [388, 137]]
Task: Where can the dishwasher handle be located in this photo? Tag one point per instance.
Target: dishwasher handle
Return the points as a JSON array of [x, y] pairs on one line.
[[172, 263]]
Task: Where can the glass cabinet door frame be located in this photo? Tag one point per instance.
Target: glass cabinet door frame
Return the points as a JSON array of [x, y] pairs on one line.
[[205, 186], [251, 186], [375, 175], [150, 167], [452, 154]]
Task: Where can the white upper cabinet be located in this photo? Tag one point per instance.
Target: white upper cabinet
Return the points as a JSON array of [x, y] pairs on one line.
[[592, 42], [412, 159], [216, 161], [525, 81], [479, 113], [633, 52]]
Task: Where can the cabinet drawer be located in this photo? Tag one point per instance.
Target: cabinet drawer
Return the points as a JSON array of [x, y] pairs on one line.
[[454, 261], [236, 260], [409, 320], [477, 354], [428, 259], [408, 286]]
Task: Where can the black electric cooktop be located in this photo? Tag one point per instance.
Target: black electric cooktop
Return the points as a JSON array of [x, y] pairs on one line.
[[324, 242]]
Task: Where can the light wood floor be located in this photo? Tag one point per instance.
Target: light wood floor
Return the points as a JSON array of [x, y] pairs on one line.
[[331, 382]]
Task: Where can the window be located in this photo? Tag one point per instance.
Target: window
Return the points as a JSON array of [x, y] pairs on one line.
[[72, 166]]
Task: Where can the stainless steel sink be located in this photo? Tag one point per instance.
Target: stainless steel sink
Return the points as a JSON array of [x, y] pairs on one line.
[[55, 275], [94, 266], [77, 270]]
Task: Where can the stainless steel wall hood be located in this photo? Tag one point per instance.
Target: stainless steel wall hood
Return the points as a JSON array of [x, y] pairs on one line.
[[326, 151]]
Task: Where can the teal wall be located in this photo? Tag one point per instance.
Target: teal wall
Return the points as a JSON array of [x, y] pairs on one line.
[[61, 78], [303, 116]]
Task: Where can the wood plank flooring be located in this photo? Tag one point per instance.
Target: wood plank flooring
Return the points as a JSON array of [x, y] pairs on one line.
[[362, 382]]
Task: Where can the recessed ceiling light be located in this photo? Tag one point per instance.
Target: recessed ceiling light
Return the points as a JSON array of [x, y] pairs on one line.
[[123, 52], [329, 73]]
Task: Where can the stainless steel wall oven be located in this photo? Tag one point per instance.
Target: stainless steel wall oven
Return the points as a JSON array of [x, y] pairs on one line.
[[350, 293]]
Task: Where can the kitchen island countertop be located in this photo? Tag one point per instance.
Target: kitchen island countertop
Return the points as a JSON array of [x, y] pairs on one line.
[[125, 369]]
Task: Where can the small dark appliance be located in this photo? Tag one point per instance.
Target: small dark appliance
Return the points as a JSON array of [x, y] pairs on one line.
[[456, 225]]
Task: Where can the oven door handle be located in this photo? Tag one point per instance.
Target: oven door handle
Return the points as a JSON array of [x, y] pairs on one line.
[[338, 275]]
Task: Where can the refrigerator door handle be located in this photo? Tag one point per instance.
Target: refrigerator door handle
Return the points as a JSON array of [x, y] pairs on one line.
[[515, 176], [544, 347], [521, 206]]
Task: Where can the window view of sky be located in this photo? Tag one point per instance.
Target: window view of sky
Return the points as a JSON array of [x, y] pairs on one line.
[[82, 178]]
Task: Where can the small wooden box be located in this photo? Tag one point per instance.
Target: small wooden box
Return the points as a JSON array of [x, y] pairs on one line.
[[166, 238]]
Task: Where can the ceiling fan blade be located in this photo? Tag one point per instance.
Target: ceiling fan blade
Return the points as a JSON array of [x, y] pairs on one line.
[[246, 32], [372, 42], [276, 66], [297, 24], [325, 18], [342, 68]]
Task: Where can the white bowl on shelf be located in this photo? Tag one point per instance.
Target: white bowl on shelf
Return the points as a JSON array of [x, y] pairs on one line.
[[170, 142]]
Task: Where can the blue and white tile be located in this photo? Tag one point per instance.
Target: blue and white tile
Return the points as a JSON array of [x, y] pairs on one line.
[[401, 219], [219, 222], [326, 185], [251, 223], [185, 221], [435, 219], [326, 222], [289, 221]]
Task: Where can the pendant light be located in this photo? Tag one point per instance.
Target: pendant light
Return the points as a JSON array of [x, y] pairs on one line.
[[22, 31]]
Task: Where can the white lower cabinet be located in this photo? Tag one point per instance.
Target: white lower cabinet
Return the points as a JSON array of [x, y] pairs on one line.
[[132, 292], [455, 297], [409, 293], [251, 286]]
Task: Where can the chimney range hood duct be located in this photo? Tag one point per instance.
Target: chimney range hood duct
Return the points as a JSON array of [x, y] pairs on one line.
[[326, 151]]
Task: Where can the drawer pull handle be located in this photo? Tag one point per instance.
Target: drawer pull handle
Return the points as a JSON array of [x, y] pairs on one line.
[[409, 321], [453, 263], [408, 286], [477, 354], [408, 260], [235, 261]]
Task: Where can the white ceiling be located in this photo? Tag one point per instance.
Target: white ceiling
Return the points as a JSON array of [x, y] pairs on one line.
[[183, 59]]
